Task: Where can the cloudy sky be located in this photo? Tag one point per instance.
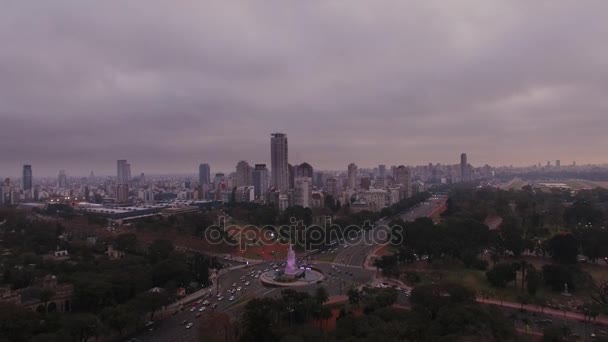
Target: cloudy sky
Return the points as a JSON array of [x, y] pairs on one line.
[[170, 84]]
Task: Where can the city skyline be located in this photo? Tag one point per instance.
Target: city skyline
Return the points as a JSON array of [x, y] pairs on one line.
[[111, 171], [409, 82]]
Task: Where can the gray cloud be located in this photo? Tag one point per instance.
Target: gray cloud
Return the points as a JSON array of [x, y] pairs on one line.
[[170, 84]]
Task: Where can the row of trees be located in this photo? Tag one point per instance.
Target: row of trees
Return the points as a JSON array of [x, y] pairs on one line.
[[109, 295]]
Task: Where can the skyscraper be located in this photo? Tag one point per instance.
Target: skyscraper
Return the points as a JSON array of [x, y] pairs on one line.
[[279, 161], [123, 169], [331, 187], [243, 174], [303, 191], [352, 176], [260, 180], [26, 179], [204, 174], [304, 170], [464, 170], [382, 171], [403, 177], [558, 163], [62, 180]]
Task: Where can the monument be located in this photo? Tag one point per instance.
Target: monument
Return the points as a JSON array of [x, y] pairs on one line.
[[291, 269], [292, 275]]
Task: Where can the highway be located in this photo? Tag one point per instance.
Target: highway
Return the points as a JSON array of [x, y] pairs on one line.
[[355, 254]]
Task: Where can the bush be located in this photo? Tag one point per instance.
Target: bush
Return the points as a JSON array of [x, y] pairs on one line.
[[413, 277], [557, 275], [480, 264], [501, 275]]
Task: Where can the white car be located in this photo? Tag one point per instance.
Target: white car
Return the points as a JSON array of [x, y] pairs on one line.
[[202, 309], [192, 309], [239, 288], [220, 298], [189, 325], [231, 298], [246, 283]]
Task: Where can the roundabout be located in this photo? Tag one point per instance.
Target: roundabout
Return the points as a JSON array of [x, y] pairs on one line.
[[292, 275]]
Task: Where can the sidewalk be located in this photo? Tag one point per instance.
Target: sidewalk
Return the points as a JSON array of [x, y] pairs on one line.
[[603, 320]]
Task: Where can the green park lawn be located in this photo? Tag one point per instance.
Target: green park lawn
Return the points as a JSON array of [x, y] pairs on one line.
[[476, 280]]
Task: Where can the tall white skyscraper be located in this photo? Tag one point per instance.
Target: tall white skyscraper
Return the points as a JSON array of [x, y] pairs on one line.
[[303, 191], [279, 161], [352, 176]]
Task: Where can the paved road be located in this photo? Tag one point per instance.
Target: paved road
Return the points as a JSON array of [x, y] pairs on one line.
[[338, 280], [354, 254], [345, 272]]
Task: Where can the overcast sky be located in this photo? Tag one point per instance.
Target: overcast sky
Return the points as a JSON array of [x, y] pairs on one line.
[[170, 84]]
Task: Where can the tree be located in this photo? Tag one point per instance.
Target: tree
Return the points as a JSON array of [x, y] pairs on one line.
[[386, 297], [512, 237], [159, 250], [523, 266], [17, 323], [258, 318], [321, 295], [557, 276], [118, 317], [563, 248], [500, 275], [126, 242], [325, 314], [150, 302], [556, 333], [45, 296], [81, 326], [533, 280], [429, 299], [599, 292], [354, 296]]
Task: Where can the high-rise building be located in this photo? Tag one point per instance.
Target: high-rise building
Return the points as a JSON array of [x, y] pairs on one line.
[[331, 187], [303, 191], [366, 182], [62, 180], [558, 163], [123, 170], [204, 174], [403, 177], [292, 175], [279, 161], [352, 176], [304, 170], [382, 171], [464, 169], [122, 193], [318, 179], [26, 179], [243, 174], [260, 180]]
